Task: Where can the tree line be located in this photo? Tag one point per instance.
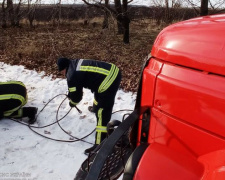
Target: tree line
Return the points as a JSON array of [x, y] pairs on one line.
[[163, 11]]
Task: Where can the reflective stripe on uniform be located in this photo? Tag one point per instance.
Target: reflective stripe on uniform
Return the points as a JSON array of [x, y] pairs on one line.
[[110, 75], [72, 89], [109, 79], [100, 89], [13, 82], [101, 129], [9, 112], [94, 69], [14, 96], [22, 99], [20, 114], [95, 102], [109, 83], [98, 136], [79, 64], [74, 103]]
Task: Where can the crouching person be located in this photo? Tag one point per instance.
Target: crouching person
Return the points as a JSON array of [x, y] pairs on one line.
[[13, 96], [103, 79]]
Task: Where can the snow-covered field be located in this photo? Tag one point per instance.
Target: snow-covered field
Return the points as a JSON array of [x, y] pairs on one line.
[[25, 155]]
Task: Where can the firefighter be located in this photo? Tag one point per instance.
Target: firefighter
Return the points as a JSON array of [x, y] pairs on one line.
[[102, 78], [13, 96]]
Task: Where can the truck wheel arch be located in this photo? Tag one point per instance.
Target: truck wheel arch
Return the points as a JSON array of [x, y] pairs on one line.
[[133, 162]]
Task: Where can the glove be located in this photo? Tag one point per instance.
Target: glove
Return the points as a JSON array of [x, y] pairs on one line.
[[71, 105]]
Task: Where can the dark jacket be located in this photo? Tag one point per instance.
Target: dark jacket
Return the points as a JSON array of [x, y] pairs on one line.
[[13, 95], [94, 75]]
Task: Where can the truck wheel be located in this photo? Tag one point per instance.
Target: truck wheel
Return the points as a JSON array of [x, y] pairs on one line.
[[133, 162]]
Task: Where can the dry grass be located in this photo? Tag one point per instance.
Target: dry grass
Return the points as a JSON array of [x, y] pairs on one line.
[[40, 47]]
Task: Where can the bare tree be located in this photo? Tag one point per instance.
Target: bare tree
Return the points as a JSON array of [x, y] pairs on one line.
[[119, 16], [31, 9], [4, 25], [216, 6], [18, 14], [167, 12], [120, 13], [204, 7], [105, 24], [126, 23], [30, 13], [10, 10], [56, 16]]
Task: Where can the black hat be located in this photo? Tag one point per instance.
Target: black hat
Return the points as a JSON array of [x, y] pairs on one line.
[[63, 63]]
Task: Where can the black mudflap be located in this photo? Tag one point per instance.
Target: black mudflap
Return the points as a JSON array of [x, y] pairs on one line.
[[113, 166], [108, 160]]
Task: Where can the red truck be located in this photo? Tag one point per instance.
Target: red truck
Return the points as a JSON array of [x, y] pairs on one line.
[[177, 130]]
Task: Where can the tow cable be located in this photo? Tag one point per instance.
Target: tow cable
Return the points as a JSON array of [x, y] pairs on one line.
[[31, 127]]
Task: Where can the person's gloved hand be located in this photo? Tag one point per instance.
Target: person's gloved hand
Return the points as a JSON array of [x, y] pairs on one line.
[[71, 104], [74, 105]]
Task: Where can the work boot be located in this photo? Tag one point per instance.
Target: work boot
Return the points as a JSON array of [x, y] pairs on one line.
[[91, 149], [30, 112], [91, 109]]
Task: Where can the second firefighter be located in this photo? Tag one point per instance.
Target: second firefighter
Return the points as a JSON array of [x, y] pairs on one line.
[[102, 78]]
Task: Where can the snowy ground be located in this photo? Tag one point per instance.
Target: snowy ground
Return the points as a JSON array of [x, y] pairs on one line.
[[25, 155]]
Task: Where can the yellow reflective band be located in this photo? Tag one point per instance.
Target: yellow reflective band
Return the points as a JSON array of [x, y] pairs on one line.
[[100, 116], [100, 89], [13, 82], [20, 114], [98, 137], [109, 79], [9, 112], [101, 129], [73, 102], [13, 96], [95, 102], [72, 89], [94, 69]]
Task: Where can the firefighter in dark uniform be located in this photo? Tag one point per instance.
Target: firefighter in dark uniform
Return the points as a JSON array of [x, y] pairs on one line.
[[102, 78], [13, 96]]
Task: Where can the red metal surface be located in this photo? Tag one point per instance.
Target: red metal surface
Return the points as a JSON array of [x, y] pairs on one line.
[[182, 137], [187, 119], [214, 165], [148, 82], [161, 163], [148, 85], [184, 86], [197, 43], [195, 97]]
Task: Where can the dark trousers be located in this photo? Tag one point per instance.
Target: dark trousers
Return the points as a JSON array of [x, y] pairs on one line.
[[103, 106], [13, 95]]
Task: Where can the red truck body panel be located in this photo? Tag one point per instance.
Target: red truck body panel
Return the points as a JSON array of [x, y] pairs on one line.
[[197, 43], [183, 85]]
